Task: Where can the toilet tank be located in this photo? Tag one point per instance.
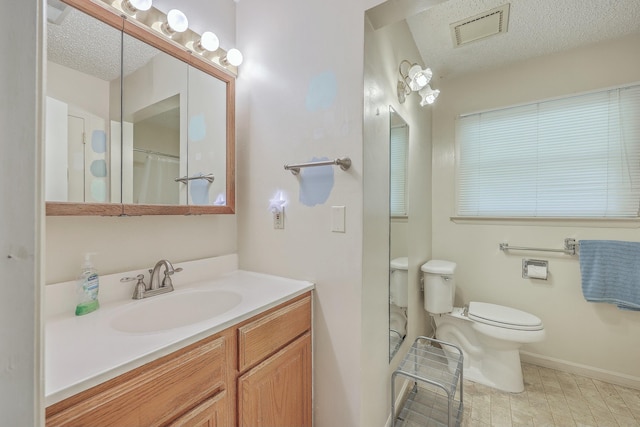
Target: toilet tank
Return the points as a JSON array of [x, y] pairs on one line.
[[439, 286], [399, 282]]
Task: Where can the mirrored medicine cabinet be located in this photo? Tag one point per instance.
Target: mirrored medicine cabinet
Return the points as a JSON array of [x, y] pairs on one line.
[[136, 124]]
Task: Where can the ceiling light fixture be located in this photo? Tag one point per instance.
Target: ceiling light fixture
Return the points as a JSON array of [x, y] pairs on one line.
[[133, 6], [208, 42], [414, 78], [233, 57], [176, 22]]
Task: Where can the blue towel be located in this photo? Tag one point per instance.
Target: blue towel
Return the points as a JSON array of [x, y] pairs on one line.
[[611, 272]]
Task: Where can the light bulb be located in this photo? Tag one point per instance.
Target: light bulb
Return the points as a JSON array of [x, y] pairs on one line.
[[419, 78], [133, 6], [176, 22], [233, 57], [208, 41], [428, 95]]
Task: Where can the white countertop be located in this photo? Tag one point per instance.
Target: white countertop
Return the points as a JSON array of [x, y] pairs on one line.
[[81, 352]]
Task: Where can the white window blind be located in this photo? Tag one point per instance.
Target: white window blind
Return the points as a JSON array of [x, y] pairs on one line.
[[399, 142], [571, 157]]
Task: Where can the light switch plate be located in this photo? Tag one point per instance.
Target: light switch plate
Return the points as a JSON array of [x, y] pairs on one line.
[[338, 219]]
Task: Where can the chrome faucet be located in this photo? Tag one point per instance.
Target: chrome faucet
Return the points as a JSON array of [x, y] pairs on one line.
[[154, 280], [155, 287]]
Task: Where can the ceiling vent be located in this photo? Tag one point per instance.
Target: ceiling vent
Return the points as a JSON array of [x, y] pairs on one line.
[[489, 23], [56, 11]]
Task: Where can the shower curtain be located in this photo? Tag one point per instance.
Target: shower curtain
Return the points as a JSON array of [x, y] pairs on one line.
[[154, 180]]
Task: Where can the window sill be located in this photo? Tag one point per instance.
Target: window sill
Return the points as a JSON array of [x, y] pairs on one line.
[[550, 222]]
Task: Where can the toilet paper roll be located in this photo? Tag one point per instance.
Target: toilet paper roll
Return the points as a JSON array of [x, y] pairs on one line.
[[537, 271]]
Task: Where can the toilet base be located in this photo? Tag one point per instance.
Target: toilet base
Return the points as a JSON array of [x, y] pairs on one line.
[[487, 360], [499, 375]]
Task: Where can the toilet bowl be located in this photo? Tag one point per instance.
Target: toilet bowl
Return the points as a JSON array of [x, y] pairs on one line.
[[399, 282], [489, 335]]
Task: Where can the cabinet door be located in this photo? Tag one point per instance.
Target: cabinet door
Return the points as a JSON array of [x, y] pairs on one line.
[[211, 413], [277, 392]]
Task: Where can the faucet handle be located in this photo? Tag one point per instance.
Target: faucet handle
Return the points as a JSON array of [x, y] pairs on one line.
[[140, 288], [166, 282], [170, 272], [139, 278]]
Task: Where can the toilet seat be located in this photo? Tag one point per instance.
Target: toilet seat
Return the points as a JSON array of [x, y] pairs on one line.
[[503, 317], [401, 263]]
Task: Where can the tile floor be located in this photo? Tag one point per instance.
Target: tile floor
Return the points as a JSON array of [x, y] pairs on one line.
[[552, 398]]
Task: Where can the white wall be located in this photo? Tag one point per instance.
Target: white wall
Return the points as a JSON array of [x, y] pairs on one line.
[[130, 243], [581, 334], [399, 245], [283, 119], [21, 130]]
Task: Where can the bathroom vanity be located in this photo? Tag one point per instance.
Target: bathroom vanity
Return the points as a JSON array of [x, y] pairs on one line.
[[248, 366]]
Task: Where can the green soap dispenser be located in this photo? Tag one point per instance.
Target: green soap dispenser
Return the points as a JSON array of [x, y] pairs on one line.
[[87, 288]]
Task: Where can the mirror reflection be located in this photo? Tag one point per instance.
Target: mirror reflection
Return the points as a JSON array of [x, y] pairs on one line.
[[207, 136], [154, 131], [82, 109], [129, 123], [398, 218], [156, 155]]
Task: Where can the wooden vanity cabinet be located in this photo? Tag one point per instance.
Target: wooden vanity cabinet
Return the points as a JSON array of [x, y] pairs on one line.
[[255, 374], [274, 359], [159, 393]]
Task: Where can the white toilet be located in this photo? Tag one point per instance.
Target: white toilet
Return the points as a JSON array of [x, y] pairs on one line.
[[489, 335], [399, 282]]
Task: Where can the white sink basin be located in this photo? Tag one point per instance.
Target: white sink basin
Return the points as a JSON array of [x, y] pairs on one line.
[[174, 310]]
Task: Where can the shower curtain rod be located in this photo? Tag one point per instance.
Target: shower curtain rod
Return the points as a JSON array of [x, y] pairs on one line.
[[157, 153]]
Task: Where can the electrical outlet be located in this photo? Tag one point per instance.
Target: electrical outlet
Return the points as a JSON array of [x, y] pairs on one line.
[[278, 220]]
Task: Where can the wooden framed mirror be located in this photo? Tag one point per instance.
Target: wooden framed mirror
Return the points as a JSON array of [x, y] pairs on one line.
[[137, 123]]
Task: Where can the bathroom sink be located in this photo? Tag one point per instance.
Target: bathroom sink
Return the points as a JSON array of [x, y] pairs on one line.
[[174, 310]]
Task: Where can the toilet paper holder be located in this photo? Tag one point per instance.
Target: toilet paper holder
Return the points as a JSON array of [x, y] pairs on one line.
[[535, 269]]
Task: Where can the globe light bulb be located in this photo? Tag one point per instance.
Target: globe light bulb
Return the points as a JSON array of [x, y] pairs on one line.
[[233, 57]]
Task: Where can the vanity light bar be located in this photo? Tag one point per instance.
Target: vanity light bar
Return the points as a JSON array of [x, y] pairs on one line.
[[175, 26]]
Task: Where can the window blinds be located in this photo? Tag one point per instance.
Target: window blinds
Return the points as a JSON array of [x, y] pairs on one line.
[[399, 142], [571, 157]]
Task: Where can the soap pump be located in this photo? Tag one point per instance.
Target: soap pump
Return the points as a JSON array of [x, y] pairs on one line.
[[87, 287]]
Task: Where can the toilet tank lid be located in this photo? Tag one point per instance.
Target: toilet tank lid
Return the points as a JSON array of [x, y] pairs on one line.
[[436, 266], [401, 263]]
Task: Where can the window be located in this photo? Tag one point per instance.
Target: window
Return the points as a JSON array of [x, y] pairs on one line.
[[572, 157], [399, 144]]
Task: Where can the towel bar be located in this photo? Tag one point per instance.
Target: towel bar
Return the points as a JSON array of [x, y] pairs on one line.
[[570, 247], [344, 163]]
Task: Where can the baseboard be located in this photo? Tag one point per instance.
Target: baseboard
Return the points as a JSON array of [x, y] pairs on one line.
[[584, 370], [407, 386]]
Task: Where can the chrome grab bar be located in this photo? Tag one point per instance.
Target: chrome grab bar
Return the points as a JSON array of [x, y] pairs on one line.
[[570, 247], [344, 163], [209, 177]]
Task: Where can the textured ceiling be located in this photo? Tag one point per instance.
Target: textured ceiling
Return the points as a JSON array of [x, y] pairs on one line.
[[536, 28], [84, 44]]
